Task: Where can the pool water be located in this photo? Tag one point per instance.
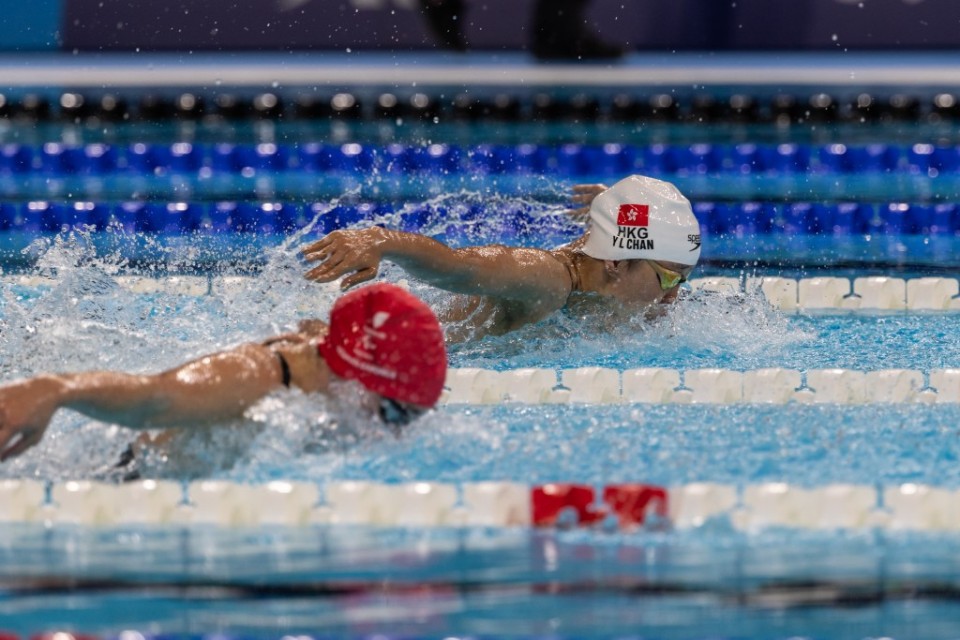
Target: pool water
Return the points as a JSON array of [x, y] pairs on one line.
[[685, 584]]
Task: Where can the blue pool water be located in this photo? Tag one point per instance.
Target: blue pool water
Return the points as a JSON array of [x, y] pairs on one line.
[[713, 581]]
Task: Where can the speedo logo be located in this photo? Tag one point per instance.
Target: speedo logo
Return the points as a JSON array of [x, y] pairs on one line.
[[694, 239]]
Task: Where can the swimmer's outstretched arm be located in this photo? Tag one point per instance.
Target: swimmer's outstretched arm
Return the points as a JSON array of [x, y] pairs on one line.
[[211, 389], [511, 273]]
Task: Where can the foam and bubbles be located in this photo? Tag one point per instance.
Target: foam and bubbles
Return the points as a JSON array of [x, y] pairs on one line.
[[703, 329], [82, 319]]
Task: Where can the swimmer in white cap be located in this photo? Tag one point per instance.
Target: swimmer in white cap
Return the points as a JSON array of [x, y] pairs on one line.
[[642, 243]]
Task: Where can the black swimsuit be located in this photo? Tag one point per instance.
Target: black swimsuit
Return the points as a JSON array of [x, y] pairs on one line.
[[128, 468], [284, 369]]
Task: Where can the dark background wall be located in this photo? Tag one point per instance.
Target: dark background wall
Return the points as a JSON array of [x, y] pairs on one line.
[[489, 24]]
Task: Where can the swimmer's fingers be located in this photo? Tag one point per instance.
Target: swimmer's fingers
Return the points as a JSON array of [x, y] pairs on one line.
[[318, 245], [333, 265], [583, 195], [588, 191], [345, 260], [360, 276], [318, 251], [327, 273]]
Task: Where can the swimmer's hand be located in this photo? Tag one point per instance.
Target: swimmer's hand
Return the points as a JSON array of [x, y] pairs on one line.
[[348, 251], [583, 195], [26, 408]]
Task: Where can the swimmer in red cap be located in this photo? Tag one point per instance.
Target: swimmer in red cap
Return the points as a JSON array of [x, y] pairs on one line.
[[380, 336], [642, 243]]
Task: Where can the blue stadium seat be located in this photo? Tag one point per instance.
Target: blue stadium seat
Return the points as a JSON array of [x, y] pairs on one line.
[[218, 218], [411, 219], [437, 159], [257, 217], [91, 159], [143, 159], [225, 158], [58, 216], [822, 218], [945, 220], [169, 218], [249, 159], [261, 158], [16, 158], [848, 219], [894, 218], [608, 162], [926, 219], [533, 158], [179, 158], [395, 158], [97, 214], [696, 159], [651, 159], [798, 218], [290, 217], [870, 158], [728, 218], [505, 160], [919, 220], [869, 218], [569, 161], [351, 157], [832, 158], [52, 159], [738, 158], [329, 220], [338, 218], [710, 223], [29, 215], [783, 158], [764, 215], [943, 158], [9, 216], [99, 159], [125, 215], [481, 159], [186, 157], [744, 219], [314, 156]]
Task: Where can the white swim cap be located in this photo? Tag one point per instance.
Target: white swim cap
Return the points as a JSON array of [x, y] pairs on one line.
[[643, 218]]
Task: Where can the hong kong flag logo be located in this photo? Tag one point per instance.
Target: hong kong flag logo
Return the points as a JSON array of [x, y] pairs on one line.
[[633, 215]]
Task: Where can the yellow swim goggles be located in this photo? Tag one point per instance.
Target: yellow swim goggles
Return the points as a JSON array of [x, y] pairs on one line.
[[668, 277]]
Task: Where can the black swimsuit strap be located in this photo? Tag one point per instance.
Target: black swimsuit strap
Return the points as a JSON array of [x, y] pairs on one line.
[[284, 369], [567, 260]]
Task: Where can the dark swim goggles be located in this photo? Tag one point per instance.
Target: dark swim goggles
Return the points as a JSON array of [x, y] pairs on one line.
[[397, 414], [668, 277]]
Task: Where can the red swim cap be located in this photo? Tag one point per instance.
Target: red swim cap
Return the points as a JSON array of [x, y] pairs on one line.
[[390, 342]]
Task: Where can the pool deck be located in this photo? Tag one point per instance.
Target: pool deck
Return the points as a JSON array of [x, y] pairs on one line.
[[771, 70]]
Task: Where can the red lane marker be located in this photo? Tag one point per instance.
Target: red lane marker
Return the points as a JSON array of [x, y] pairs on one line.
[[633, 502], [548, 501]]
